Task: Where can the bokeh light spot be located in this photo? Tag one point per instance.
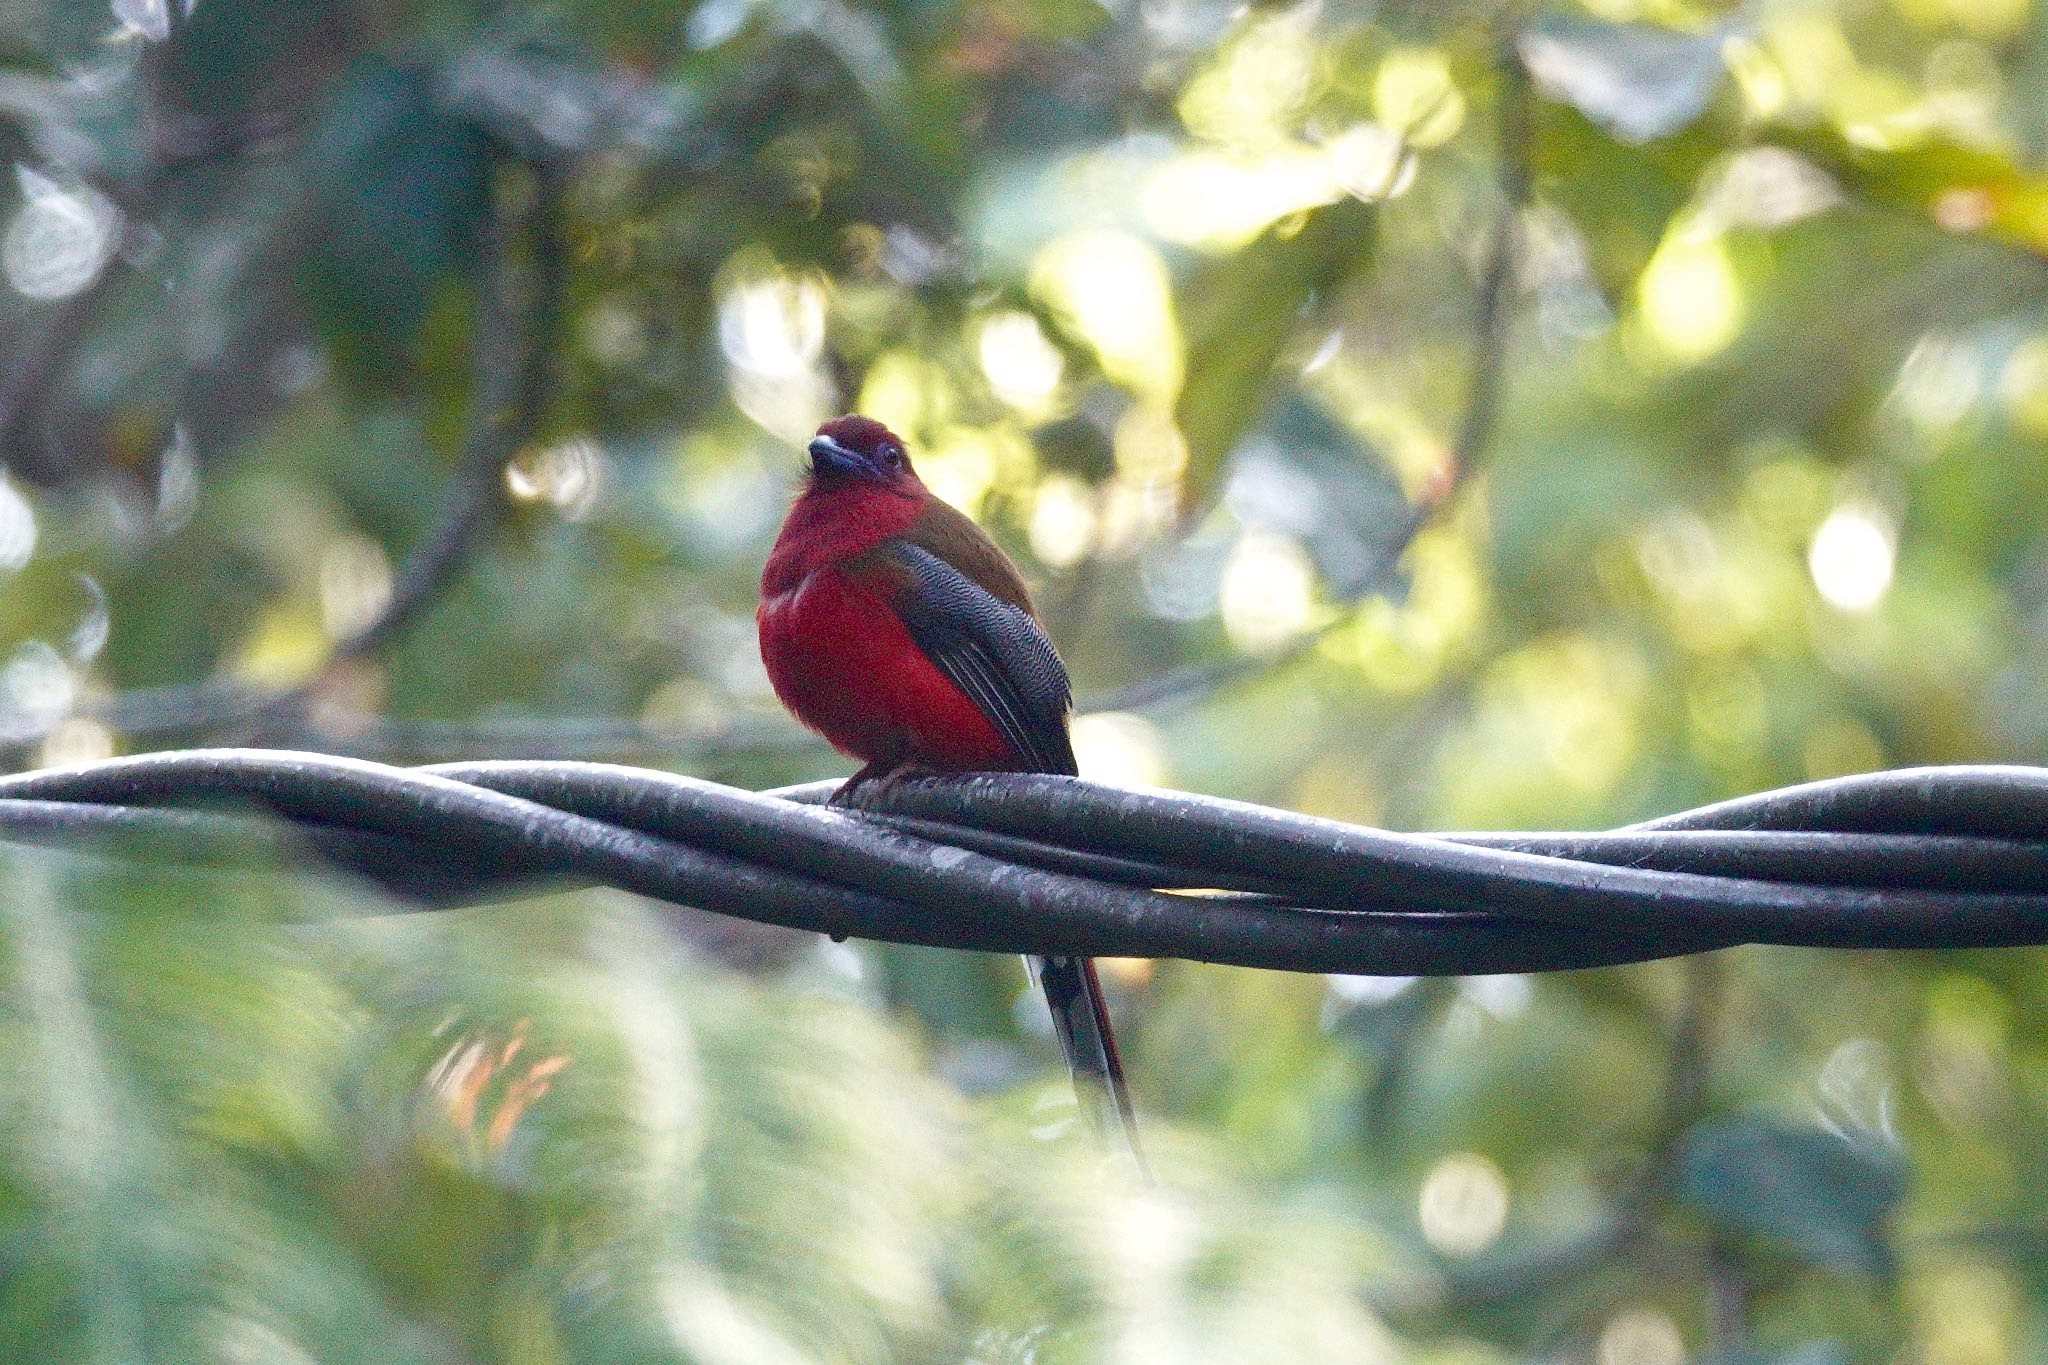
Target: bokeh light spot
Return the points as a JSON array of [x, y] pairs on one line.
[[59, 239], [614, 331], [1367, 990], [1760, 80], [75, 739], [1114, 291], [355, 585], [962, 467], [17, 527], [1149, 447], [1413, 91], [2023, 385], [1268, 591], [1691, 300], [1851, 557], [566, 476], [1130, 972], [773, 325], [906, 393], [1464, 1204], [1641, 1336], [1504, 995], [1021, 365], [1256, 86], [1855, 1092], [1940, 381], [286, 647], [1971, 1315], [1372, 161], [36, 689], [177, 481], [149, 19], [1221, 199], [1063, 521], [1120, 749], [1840, 746]]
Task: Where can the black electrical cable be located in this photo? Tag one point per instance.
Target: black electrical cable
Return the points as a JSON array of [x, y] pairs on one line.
[[1922, 858], [1331, 863]]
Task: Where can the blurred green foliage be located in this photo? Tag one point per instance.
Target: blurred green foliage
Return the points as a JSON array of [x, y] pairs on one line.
[[1188, 302]]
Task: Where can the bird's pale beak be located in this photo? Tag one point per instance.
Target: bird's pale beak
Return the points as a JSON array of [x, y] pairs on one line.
[[830, 457]]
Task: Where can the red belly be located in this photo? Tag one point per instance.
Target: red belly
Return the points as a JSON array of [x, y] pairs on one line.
[[839, 658]]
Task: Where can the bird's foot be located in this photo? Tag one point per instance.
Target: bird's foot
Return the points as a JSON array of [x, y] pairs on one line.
[[877, 779]]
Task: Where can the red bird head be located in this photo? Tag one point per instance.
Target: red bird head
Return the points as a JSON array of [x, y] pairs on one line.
[[860, 448]]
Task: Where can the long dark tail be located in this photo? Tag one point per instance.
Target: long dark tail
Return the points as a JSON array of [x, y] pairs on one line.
[[1080, 1020]]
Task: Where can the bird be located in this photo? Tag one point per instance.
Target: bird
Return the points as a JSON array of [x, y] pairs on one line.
[[893, 626]]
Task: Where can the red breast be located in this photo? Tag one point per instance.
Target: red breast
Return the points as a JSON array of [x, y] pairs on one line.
[[836, 652]]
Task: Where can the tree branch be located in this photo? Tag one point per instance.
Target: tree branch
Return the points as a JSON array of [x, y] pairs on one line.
[[514, 382]]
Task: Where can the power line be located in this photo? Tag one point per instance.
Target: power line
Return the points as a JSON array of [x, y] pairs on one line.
[[1920, 858]]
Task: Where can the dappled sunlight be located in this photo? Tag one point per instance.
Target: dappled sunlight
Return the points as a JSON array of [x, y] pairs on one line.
[[1023, 368], [1557, 725], [1121, 749], [1463, 1204], [1537, 418], [1114, 291], [59, 239], [567, 476], [1851, 556], [1641, 1336], [1690, 296], [1268, 592], [1412, 93], [355, 585]]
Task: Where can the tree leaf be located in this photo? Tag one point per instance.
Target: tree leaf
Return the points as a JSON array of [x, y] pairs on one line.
[[1240, 311], [1306, 474], [405, 183], [1638, 81], [1822, 1197]]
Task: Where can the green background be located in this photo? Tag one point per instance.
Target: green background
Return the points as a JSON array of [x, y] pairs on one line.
[[1708, 343]]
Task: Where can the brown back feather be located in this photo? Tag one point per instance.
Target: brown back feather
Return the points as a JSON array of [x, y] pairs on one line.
[[946, 532]]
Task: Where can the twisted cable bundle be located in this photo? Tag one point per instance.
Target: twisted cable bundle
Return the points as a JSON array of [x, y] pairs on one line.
[[1916, 858]]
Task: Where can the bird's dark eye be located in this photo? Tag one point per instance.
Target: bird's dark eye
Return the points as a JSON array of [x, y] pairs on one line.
[[892, 457]]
